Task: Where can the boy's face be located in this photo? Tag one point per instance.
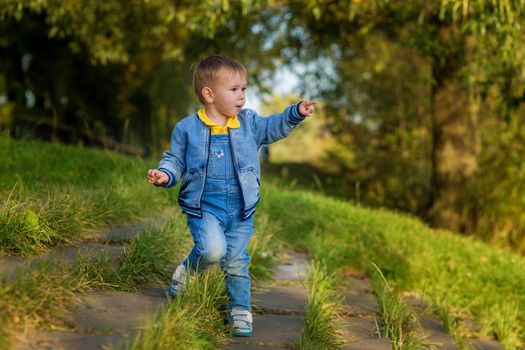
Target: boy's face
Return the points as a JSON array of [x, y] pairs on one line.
[[228, 93]]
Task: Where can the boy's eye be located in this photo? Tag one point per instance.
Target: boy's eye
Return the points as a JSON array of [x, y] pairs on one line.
[[244, 89]]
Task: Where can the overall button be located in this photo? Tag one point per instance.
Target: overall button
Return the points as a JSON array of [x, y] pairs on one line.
[[218, 153]]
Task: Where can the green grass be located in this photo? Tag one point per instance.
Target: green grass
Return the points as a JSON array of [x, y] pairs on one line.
[[149, 258], [53, 194], [401, 324], [40, 164], [320, 330], [469, 278], [194, 320]]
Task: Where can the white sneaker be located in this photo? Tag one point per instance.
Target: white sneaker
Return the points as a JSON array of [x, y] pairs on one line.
[[178, 280], [241, 322]]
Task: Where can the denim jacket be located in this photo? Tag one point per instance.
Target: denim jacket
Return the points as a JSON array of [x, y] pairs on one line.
[[187, 159]]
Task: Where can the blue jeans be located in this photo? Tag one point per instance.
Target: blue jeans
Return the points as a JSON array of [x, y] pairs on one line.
[[221, 236]]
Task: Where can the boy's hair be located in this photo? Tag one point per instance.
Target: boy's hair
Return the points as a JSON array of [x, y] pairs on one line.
[[205, 72]]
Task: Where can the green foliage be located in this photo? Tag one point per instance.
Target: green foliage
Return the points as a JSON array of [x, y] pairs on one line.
[[108, 28], [391, 60], [388, 127], [374, 62], [500, 209], [110, 73]]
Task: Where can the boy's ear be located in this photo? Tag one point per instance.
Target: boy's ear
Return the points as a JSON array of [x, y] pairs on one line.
[[207, 94]]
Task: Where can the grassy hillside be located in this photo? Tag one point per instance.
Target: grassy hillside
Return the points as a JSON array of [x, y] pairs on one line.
[[463, 279], [52, 194]]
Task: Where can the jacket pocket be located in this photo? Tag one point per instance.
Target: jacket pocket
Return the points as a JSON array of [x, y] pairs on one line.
[[191, 187], [250, 184], [184, 180]]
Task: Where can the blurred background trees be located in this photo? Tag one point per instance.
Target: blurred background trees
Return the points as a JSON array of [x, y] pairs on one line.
[[112, 73], [422, 101]]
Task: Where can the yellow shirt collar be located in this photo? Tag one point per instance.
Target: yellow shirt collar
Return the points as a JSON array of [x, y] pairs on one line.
[[216, 129]]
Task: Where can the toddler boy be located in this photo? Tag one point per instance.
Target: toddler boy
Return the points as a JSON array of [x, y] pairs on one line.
[[214, 154]]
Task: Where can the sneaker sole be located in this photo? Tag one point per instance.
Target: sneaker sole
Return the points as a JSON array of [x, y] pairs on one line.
[[241, 334]]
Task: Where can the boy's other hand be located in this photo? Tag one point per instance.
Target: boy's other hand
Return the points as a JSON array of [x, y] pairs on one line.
[[157, 177], [307, 108]]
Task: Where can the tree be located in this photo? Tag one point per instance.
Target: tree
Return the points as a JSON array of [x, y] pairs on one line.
[[457, 37], [113, 70]]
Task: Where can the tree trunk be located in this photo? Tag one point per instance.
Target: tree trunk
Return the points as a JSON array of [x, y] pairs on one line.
[[455, 148]]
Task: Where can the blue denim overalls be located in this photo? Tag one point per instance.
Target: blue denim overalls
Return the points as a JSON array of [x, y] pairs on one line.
[[221, 235]]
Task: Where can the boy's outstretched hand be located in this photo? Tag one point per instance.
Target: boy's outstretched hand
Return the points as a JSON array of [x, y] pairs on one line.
[[307, 108], [157, 177]]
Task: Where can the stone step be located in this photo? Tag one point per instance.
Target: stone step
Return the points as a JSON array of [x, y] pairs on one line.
[[362, 321], [9, 264], [117, 312], [274, 331], [121, 234], [368, 344], [486, 344], [436, 335], [34, 339], [103, 242], [358, 285], [295, 268], [285, 300], [99, 320], [360, 304]]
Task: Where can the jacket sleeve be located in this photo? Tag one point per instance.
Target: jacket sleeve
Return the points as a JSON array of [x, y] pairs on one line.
[[276, 126], [173, 162]]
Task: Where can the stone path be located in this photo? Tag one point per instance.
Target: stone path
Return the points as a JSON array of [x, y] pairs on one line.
[[102, 319], [99, 319]]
